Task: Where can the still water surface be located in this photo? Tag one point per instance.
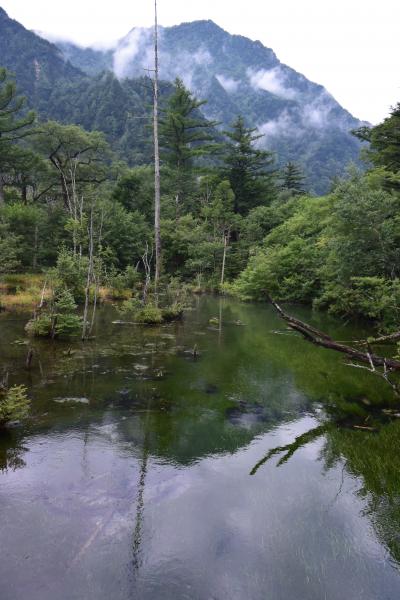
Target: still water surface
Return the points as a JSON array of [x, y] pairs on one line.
[[133, 478]]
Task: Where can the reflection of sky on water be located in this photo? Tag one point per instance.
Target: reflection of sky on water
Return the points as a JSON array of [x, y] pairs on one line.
[[208, 530]]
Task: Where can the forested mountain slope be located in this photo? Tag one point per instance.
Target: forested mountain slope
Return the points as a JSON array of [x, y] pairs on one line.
[[108, 90], [58, 90], [299, 118]]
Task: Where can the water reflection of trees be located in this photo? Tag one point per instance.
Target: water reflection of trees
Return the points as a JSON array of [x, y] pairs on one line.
[[246, 381], [11, 452], [373, 458]]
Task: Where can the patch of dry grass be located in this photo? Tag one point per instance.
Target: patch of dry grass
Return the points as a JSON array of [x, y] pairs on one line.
[[21, 292], [108, 294]]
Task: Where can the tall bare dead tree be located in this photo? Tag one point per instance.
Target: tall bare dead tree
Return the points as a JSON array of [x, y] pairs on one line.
[[157, 199], [89, 276]]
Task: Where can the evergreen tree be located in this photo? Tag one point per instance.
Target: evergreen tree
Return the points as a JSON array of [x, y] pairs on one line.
[[13, 127], [248, 169], [185, 135], [384, 149], [293, 179]]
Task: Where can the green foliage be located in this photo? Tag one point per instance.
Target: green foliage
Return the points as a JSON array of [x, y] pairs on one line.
[[9, 255], [248, 169], [28, 222], [14, 404], [287, 266], [373, 298], [58, 319], [184, 133], [292, 179], [131, 305], [135, 192], [151, 315], [14, 125], [41, 326], [185, 137], [364, 234], [228, 227], [384, 148], [340, 252], [77, 158], [70, 273], [172, 313], [122, 282], [124, 235]]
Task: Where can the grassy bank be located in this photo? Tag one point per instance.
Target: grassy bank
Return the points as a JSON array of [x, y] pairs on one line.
[[21, 292]]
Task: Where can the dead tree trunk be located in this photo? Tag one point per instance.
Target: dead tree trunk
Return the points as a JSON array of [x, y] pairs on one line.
[[1, 191], [147, 268], [157, 193], [35, 247], [89, 277], [226, 238], [322, 339]]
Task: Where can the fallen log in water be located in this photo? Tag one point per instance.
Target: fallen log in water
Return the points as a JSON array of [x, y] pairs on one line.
[[322, 339]]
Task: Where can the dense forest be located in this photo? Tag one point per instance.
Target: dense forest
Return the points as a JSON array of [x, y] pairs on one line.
[[231, 221]]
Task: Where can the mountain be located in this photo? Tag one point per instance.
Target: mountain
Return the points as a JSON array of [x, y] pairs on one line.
[[108, 90], [36, 63], [299, 118], [56, 89]]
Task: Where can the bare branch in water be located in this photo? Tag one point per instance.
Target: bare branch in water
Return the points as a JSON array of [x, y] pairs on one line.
[[322, 339]]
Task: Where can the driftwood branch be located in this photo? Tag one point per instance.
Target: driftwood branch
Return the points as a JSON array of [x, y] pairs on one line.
[[383, 339], [322, 339]]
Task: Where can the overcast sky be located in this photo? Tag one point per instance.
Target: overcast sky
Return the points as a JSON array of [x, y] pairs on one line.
[[352, 47]]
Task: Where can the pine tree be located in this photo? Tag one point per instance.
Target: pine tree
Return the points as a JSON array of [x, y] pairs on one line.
[[13, 127], [185, 135], [157, 181], [248, 169], [293, 179], [384, 148]]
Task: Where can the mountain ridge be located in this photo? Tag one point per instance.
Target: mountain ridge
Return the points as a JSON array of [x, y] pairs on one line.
[[299, 119]]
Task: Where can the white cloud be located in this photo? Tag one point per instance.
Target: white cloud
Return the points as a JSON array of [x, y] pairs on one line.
[[202, 57], [128, 49], [280, 126], [272, 80], [230, 85], [316, 113]]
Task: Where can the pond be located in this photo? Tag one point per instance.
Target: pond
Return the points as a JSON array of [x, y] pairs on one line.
[[142, 471]]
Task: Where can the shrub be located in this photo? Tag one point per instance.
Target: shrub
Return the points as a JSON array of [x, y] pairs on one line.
[[121, 284], [375, 298], [172, 313], [70, 274], [60, 319], [39, 327], [152, 315], [130, 306]]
